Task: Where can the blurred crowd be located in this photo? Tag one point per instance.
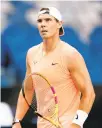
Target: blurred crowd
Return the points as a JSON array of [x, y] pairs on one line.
[[83, 30]]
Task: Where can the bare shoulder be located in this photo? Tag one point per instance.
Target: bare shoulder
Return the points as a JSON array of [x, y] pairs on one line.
[[33, 49], [31, 53], [72, 56], [70, 51]]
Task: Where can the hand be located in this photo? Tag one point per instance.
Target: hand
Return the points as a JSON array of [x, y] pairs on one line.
[[17, 125], [75, 126]]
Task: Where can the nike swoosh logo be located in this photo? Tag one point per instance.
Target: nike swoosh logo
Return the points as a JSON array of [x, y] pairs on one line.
[[54, 63], [76, 117], [35, 62]]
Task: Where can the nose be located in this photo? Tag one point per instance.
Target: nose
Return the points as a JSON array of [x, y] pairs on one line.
[[43, 24]]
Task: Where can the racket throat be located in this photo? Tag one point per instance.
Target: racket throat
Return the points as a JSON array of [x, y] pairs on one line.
[[38, 114], [57, 124]]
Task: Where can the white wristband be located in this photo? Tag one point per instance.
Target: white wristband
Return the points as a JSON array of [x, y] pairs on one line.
[[80, 117]]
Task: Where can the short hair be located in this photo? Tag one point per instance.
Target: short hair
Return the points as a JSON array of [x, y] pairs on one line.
[[44, 9], [47, 9]]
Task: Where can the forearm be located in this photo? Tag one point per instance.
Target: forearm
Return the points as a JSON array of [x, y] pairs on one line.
[[86, 102], [83, 110], [22, 107]]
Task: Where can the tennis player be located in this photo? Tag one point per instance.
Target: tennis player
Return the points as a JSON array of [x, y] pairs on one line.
[[64, 66]]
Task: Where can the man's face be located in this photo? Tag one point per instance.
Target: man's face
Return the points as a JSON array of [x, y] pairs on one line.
[[47, 25]]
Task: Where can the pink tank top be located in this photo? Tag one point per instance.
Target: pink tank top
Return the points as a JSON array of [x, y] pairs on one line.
[[54, 67]]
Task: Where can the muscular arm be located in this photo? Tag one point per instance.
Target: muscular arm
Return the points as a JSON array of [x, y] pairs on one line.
[[83, 82], [22, 106]]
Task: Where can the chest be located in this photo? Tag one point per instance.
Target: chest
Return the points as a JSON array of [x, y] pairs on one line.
[[50, 66], [45, 65]]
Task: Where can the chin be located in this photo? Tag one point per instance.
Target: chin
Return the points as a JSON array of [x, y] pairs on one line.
[[45, 36]]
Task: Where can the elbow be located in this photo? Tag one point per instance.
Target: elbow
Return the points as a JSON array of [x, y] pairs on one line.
[[90, 94], [93, 95]]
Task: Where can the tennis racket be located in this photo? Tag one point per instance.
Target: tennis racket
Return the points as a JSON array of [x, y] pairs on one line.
[[43, 100]]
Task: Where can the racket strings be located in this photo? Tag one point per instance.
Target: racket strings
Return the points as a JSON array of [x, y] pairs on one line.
[[43, 99], [46, 104], [51, 110], [46, 100], [34, 103], [43, 92]]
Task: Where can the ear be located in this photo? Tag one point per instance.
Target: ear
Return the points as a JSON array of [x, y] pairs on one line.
[[60, 24]]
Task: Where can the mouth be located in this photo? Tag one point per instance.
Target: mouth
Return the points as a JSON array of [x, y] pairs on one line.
[[43, 31]]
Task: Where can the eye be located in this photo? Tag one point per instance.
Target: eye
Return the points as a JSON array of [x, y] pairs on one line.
[[48, 19], [39, 20]]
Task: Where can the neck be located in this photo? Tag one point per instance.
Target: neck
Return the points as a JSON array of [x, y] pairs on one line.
[[50, 44]]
